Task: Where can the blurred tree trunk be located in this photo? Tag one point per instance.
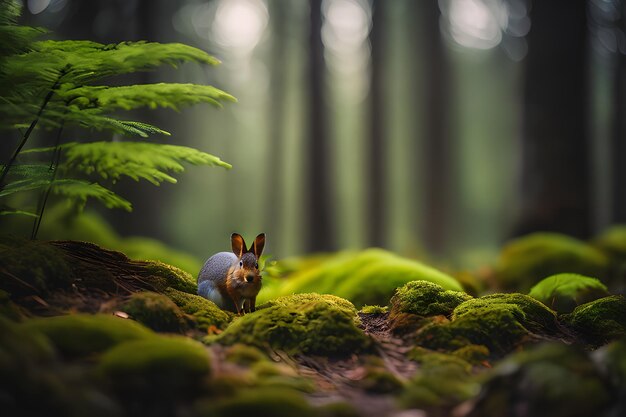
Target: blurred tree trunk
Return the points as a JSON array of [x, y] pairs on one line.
[[618, 146], [435, 158], [318, 190], [376, 165], [555, 192], [278, 12]]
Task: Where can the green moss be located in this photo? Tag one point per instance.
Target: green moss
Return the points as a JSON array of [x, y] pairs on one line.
[[613, 242], [563, 292], [374, 309], [300, 299], [158, 369], [441, 380], [474, 354], [500, 322], [600, 321], [525, 261], [244, 355], [551, 380], [81, 335], [378, 380], [155, 311], [338, 409], [32, 267], [532, 314], [204, 313], [267, 374], [367, 277], [426, 299], [165, 276], [8, 308], [316, 326], [263, 402]]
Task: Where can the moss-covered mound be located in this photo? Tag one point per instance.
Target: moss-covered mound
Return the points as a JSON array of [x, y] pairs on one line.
[[367, 277], [500, 322], [30, 267], [155, 311], [553, 380], [258, 402], [600, 321], [204, 314], [442, 380], [525, 261], [426, 299], [81, 335], [301, 324], [156, 370], [563, 292], [612, 242]]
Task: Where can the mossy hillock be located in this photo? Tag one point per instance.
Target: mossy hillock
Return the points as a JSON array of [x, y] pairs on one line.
[[367, 277], [426, 299], [204, 314], [156, 311], [500, 322], [563, 292], [84, 335], [526, 260], [599, 321], [550, 380], [300, 324], [443, 380], [157, 372]]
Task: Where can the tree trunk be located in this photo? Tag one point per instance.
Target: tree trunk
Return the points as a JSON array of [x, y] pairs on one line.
[[435, 169], [318, 190], [376, 165], [555, 192], [618, 145]]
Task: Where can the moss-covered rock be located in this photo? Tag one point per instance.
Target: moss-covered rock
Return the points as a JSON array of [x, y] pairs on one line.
[[301, 324], [552, 380], [563, 292], [164, 276], [244, 355], [600, 321], [34, 382], [500, 322], [32, 267], [264, 402], [426, 299], [82, 335], [301, 299], [441, 381], [367, 277], [204, 313], [612, 242], [377, 379], [156, 372], [155, 311], [376, 309], [525, 261]]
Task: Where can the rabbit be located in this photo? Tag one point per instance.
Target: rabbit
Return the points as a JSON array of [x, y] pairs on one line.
[[232, 279]]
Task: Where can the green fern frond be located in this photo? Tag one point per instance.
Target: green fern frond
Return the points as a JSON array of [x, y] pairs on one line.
[[23, 171], [27, 184], [136, 160], [82, 62], [18, 212], [80, 191], [148, 95]]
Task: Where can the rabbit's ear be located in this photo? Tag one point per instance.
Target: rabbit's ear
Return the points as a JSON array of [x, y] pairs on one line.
[[238, 244], [257, 246]]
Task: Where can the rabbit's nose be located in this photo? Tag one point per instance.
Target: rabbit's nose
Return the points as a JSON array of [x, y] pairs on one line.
[[250, 278]]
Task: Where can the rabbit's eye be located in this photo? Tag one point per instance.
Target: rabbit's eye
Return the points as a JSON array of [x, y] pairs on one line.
[[240, 263], [256, 265]]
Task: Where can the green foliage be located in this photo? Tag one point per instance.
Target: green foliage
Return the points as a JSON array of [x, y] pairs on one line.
[[50, 84], [367, 277], [527, 260], [82, 335], [314, 326], [563, 292], [258, 402]]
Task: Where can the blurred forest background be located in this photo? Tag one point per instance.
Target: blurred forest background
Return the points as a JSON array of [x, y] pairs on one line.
[[432, 128]]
